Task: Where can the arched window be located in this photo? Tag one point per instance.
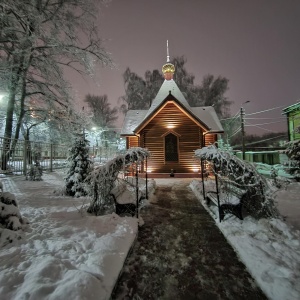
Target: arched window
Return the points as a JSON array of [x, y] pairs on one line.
[[171, 147]]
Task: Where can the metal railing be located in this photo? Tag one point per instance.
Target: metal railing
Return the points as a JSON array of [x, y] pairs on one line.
[[50, 156], [23, 153]]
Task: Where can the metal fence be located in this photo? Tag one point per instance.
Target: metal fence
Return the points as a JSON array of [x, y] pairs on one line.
[[50, 156], [25, 153]]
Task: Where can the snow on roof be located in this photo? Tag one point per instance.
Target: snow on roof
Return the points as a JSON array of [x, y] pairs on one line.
[[292, 107], [167, 87], [207, 115], [132, 119]]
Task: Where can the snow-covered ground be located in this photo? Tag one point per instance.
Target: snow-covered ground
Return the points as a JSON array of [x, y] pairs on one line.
[[63, 253], [270, 249], [66, 254]]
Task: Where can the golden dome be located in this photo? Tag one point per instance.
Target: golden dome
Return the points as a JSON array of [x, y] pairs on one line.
[[168, 68]]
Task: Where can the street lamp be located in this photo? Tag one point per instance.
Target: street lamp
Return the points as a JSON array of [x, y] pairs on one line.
[[243, 128]]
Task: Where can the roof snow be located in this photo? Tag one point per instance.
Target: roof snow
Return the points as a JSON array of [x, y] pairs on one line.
[[167, 87], [132, 119]]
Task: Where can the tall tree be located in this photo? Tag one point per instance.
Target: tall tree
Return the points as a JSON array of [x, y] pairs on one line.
[[153, 82], [134, 91], [38, 40], [139, 92], [185, 81], [212, 93], [103, 114]]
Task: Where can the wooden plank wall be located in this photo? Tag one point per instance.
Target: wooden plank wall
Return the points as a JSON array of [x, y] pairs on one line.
[[210, 139], [132, 141], [190, 139]]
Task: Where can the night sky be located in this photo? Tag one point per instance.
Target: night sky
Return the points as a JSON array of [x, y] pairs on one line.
[[255, 44]]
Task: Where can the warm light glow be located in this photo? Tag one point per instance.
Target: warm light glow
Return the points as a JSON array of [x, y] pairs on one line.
[[149, 170], [170, 126], [196, 170]]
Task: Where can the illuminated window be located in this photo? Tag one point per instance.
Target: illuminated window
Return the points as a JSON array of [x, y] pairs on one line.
[[171, 148]]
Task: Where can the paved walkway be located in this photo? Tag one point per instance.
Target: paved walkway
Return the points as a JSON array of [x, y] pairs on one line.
[[181, 254]]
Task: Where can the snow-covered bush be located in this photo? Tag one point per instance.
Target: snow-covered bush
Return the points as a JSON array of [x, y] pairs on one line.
[[10, 218], [80, 165], [258, 201], [34, 172], [101, 180], [293, 153]]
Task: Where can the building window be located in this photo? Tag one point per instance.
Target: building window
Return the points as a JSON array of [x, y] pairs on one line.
[[171, 147]]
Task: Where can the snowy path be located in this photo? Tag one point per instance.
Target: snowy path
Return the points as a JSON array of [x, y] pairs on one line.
[[181, 254]]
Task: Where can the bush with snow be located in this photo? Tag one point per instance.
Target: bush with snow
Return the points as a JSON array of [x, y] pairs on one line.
[[11, 220], [102, 179], [34, 172], [259, 201], [80, 165]]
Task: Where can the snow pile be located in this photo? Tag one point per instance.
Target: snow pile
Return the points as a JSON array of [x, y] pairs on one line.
[[268, 247]]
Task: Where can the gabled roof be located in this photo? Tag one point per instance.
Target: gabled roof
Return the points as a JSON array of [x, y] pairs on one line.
[[167, 87], [132, 119], [206, 116], [291, 108]]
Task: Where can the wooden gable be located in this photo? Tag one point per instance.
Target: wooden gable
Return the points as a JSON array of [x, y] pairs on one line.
[[171, 119]]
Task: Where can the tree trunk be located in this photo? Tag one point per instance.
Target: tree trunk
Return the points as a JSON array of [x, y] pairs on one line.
[[8, 128]]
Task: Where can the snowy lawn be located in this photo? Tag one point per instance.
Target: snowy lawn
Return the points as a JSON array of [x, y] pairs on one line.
[[63, 253], [270, 249]]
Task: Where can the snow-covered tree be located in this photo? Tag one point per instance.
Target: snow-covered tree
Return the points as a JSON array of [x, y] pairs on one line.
[[38, 41], [80, 166], [102, 113], [293, 153], [242, 174], [139, 92], [102, 179], [35, 170]]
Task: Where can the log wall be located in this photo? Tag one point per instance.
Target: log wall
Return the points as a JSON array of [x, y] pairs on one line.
[[190, 136]]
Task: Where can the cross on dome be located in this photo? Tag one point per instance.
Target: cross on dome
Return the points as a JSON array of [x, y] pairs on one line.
[[168, 69]]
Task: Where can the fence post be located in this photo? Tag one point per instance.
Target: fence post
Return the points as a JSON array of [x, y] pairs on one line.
[[51, 157], [137, 190], [25, 157], [146, 178], [202, 176]]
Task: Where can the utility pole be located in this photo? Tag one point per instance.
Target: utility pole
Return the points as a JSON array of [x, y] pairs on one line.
[[243, 128], [243, 131]]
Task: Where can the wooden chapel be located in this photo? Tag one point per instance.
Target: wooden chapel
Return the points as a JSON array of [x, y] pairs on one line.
[[171, 129]]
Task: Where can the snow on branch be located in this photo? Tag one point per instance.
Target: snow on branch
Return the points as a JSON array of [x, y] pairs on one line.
[[259, 200], [237, 170], [101, 180]]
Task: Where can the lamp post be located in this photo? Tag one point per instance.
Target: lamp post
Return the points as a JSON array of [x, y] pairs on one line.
[[243, 128]]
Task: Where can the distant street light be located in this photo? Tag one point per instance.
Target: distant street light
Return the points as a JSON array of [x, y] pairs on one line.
[[243, 128]]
